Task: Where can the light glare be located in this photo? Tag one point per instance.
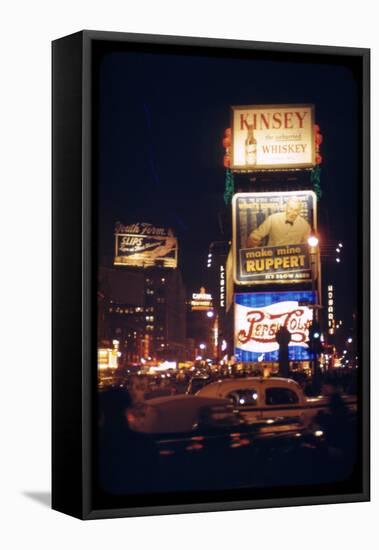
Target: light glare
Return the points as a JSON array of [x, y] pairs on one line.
[[313, 241]]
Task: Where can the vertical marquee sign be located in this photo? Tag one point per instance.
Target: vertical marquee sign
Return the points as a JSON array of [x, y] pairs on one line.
[[272, 137], [331, 320], [222, 286]]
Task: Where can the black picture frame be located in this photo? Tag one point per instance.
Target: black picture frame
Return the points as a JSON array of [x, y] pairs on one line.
[[74, 204]]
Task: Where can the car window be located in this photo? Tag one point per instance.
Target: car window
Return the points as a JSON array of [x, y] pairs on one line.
[[196, 384], [281, 396], [243, 398]]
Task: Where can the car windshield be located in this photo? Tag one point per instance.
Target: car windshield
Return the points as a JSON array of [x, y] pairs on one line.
[[196, 384]]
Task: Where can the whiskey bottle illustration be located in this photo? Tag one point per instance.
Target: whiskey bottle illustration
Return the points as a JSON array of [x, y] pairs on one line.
[[250, 147]]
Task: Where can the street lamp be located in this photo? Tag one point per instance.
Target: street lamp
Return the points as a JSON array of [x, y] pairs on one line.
[[313, 244], [312, 241], [314, 331]]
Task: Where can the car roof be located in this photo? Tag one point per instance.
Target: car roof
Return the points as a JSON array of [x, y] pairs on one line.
[[239, 383]]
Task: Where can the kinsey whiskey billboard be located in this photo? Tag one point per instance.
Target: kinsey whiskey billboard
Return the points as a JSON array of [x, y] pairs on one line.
[[270, 237], [259, 315], [144, 245], [272, 137]]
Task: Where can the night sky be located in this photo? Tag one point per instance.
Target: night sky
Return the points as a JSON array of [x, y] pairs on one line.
[[160, 158]]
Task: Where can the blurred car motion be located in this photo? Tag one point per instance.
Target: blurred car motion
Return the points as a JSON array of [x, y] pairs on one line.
[[181, 413]]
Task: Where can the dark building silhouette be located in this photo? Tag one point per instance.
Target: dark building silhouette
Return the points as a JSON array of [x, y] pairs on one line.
[[144, 309]]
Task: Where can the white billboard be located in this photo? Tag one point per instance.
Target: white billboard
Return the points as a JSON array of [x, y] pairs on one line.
[[258, 316], [272, 137], [144, 245]]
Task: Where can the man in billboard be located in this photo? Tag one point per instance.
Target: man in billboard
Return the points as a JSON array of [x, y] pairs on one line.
[[283, 228]]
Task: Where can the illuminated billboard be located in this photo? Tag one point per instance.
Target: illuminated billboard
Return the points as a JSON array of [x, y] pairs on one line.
[[201, 301], [272, 137], [270, 237], [144, 245], [258, 316]]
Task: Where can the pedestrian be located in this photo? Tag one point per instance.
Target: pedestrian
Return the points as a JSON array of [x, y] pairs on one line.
[[128, 460]]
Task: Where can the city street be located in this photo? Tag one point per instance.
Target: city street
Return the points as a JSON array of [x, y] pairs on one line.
[[228, 339], [209, 443]]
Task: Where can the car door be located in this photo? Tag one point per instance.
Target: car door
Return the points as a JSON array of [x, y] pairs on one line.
[[247, 401], [281, 401]]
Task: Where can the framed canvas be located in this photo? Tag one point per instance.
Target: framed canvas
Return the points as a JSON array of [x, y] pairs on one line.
[[210, 275]]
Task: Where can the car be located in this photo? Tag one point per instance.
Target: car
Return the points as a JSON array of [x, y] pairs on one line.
[[203, 441], [258, 399], [192, 423]]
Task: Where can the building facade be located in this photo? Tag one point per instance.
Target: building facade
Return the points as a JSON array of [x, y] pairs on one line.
[[144, 309]]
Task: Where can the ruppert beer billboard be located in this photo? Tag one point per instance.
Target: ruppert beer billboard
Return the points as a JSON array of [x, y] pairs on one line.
[[259, 315], [270, 237], [272, 137], [144, 245]]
